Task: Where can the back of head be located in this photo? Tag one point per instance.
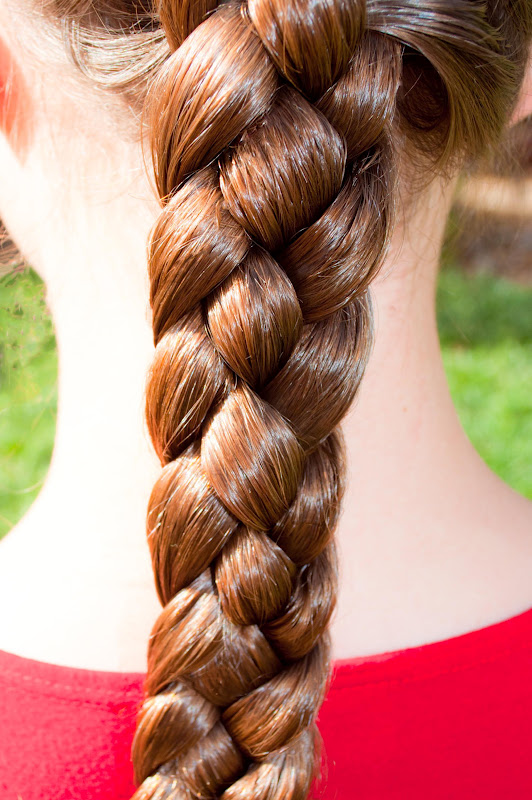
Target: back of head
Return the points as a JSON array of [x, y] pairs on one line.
[[278, 131]]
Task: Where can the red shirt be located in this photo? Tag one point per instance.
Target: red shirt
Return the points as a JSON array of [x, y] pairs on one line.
[[450, 720]]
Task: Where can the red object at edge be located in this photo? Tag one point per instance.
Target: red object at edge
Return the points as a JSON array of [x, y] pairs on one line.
[[449, 720]]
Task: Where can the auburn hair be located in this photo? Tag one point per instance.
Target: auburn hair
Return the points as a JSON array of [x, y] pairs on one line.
[[277, 129]]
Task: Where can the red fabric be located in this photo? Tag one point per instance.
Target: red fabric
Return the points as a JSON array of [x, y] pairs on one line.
[[450, 719]]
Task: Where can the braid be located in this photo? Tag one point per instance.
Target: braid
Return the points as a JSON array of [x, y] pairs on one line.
[[262, 329], [271, 132]]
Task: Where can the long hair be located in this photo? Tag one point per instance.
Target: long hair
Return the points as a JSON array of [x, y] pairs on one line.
[[277, 129]]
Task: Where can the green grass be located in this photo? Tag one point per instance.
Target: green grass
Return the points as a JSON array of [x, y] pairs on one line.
[[485, 328], [28, 393]]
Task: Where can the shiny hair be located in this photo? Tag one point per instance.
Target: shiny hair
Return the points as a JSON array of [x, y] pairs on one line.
[[277, 131]]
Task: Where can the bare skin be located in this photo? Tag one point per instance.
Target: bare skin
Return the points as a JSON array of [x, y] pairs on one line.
[[432, 543]]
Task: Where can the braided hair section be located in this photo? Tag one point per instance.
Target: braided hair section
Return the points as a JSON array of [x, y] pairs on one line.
[[271, 131], [262, 329]]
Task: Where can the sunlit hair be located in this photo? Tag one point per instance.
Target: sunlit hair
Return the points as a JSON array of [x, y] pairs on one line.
[[276, 129]]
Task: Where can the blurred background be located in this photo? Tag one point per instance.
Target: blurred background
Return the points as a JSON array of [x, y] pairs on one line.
[[484, 318]]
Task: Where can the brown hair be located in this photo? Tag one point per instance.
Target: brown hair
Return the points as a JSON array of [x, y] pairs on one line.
[[276, 130]]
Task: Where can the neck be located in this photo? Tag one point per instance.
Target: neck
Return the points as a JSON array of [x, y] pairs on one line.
[[420, 503], [403, 436], [88, 523]]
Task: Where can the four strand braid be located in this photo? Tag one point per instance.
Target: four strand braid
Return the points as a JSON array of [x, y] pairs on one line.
[[276, 182]]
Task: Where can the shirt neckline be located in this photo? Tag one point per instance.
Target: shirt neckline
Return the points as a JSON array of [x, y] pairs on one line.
[[478, 646]]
